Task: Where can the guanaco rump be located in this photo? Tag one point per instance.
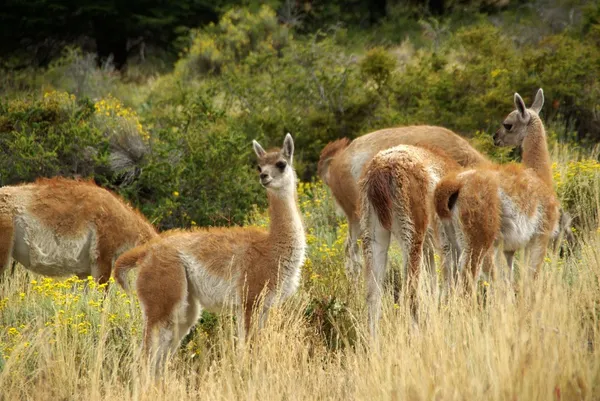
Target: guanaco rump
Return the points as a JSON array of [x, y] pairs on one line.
[[60, 226], [183, 271], [342, 162], [396, 198], [512, 203]]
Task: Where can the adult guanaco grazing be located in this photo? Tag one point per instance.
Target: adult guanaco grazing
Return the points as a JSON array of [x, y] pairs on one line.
[[182, 272], [512, 203], [342, 162], [396, 195], [60, 226]]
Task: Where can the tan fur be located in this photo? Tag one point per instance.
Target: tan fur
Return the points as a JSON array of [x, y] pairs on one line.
[[486, 208], [523, 128], [184, 271], [341, 166], [396, 194], [60, 212], [513, 203]]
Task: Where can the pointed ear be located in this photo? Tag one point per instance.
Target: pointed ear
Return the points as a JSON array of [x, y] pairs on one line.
[[538, 102], [288, 147], [260, 152], [520, 105]]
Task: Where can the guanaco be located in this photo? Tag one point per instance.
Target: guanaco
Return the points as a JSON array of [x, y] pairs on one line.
[[61, 226], [342, 163], [515, 204], [182, 272], [396, 195]]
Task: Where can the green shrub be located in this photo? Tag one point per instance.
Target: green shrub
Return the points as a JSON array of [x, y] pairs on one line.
[[199, 169], [53, 135], [239, 35], [378, 66]]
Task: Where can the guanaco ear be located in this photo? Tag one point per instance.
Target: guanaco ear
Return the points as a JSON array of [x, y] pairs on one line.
[[538, 102], [520, 105], [260, 152], [288, 148]]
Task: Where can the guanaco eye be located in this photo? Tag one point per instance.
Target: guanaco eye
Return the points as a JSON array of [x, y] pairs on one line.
[[259, 169], [507, 127], [281, 165]]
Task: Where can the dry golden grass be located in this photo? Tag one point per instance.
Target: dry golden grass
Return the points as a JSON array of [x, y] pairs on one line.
[[63, 341]]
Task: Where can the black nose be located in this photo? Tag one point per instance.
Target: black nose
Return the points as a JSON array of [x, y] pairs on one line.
[[263, 176]]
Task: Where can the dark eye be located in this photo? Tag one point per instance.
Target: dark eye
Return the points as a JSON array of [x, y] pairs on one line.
[[281, 165], [507, 127], [259, 169]]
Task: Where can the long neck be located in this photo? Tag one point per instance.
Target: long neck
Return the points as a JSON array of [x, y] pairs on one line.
[[535, 150], [286, 228]]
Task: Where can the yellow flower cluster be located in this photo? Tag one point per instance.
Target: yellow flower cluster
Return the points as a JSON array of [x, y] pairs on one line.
[[112, 107], [52, 100], [575, 170], [77, 307]]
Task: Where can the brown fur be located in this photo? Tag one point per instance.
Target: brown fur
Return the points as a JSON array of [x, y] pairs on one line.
[[345, 164], [396, 191], [70, 209], [479, 212], [182, 271], [378, 188], [328, 153], [446, 190]]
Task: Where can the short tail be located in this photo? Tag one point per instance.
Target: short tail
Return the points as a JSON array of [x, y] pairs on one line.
[[328, 153], [446, 195], [126, 262], [377, 186]]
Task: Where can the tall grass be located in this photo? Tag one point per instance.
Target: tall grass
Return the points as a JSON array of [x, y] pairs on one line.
[[539, 340]]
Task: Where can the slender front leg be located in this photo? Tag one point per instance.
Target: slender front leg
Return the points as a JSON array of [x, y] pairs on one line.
[[510, 261], [376, 241], [537, 251]]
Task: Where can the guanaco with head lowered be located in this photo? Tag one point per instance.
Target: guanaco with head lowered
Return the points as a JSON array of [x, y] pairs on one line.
[[396, 195], [342, 163], [184, 271], [60, 226], [512, 203]]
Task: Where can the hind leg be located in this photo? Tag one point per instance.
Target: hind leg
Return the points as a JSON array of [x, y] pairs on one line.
[[429, 261], [413, 257], [162, 340], [7, 231], [376, 242], [351, 249]]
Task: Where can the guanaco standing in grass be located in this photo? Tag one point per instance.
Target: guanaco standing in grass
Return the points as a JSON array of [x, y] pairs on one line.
[[342, 162], [396, 194], [60, 226], [512, 203], [182, 272]]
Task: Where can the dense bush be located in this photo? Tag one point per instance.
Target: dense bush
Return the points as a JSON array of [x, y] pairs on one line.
[[182, 150], [52, 135]]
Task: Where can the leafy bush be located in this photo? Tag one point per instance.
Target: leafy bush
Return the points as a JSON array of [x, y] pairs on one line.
[[238, 35], [199, 169], [53, 135]]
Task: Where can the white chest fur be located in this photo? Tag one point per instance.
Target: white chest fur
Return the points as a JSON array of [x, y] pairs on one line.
[[517, 227]]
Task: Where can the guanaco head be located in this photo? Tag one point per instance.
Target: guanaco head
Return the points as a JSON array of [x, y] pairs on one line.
[[275, 167], [514, 126]]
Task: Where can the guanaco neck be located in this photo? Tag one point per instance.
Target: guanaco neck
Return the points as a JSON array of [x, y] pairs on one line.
[[286, 232], [535, 150]]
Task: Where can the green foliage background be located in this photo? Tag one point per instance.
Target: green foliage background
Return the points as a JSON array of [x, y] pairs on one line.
[[178, 143]]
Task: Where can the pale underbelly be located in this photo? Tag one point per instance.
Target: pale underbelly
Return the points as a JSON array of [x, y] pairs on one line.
[[42, 251]]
